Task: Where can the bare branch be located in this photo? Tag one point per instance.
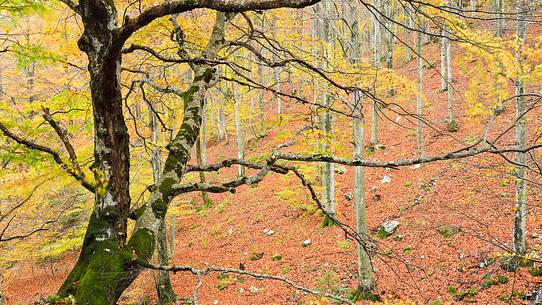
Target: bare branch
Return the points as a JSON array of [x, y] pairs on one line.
[[259, 276], [458, 154], [43, 227], [23, 202], [74, 172]]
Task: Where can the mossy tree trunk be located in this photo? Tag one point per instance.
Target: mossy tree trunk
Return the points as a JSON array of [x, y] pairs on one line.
[[102, 272], [107, 263], [165, 292]]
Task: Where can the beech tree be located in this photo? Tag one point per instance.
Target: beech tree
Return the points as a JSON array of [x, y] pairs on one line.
[[326, 32], [108, 264], [365, 268]]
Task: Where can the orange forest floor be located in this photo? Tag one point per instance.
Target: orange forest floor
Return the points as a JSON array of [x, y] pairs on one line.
[[452, 216]]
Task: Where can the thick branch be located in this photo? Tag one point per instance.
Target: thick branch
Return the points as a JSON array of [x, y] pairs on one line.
[[180, 6]]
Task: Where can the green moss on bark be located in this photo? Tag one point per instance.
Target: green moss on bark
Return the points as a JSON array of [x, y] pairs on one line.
[[142, 243], [100, 282]]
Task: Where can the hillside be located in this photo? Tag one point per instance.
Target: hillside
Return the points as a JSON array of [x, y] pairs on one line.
[[455, 218]]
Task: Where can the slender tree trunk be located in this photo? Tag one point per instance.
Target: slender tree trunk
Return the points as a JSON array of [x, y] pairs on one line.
[[2, 298], [328, 173], [155, 151], [165, 292], [443, 60], [419, 100], [389, 11], [261, 101], [474, 8], [276, 74], [201, 150], [239, 131], [219, 135], [452, 124], [520, 214], [2, 89], [426, 38], [203, 135], [376, 49], [365, 269], [199, 159], [390, 40], [411, 24], [406, 39], [221, 122], [171, 247], [499, 22], [29, 70]]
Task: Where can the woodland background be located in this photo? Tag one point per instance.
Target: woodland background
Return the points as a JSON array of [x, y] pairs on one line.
[[440, 98]]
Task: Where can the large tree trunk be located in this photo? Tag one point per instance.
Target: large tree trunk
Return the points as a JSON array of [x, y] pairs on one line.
[[107, 264], [101, 274]]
